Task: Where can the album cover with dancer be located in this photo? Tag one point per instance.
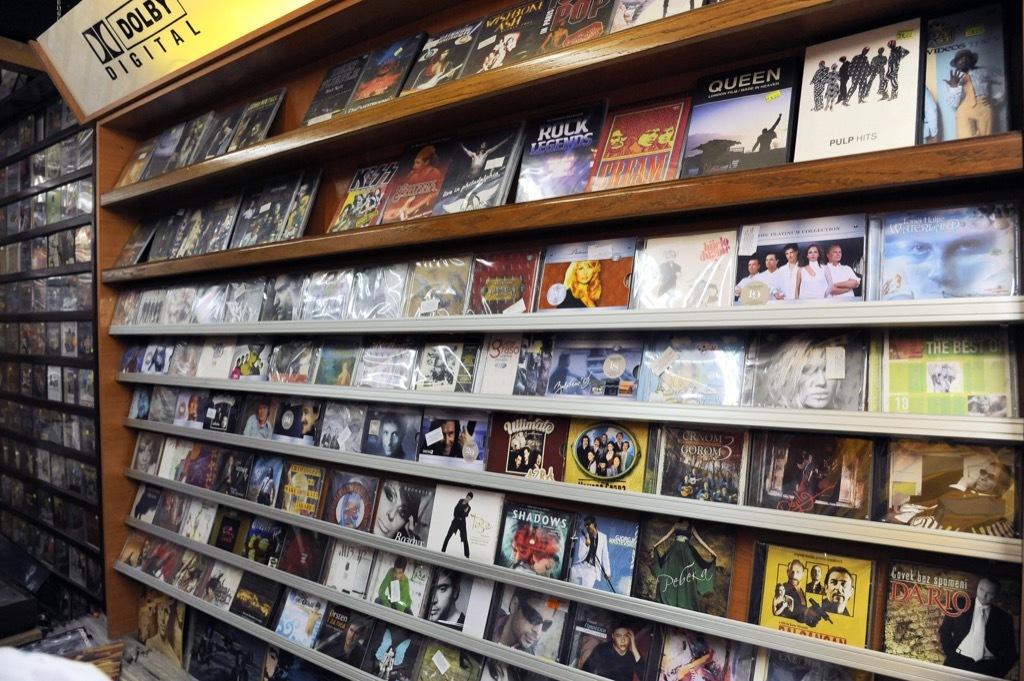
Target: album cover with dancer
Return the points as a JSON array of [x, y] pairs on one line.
[[466, 522], [481, 172]]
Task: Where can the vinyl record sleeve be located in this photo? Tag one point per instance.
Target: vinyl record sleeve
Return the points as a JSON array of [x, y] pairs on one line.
[[685, 564], [480, 176], [454, 438], [377, 292], [503, 282], [595, 366], [507, 609], [325, 295], [704, 656], [362, 205], [137, 243], [806, 370], [965, 372], [209, 304], [700, 463], [447, 367], [930, 611], [347, 567], [337, 362], [876, 116], [265, 479], [417, 185], [341, 426], [640, 144], [508, 36], [255, 598], [335, 90], [387, 364], [607, 454], [916, 252], [684, 272], [792, 596], [250, 360], [535, 539], [404, 511], [437, 287], [836, 275], [743, 119], [558, 153], [527, 445], [810, 473], [292, 361], [698, 368], [965, 54], [392, 431], [255, 120], [245, 300], [466, 525], [952, 486], [334, 639], [399, 583], [300, 617], [385, 71], [613, 542], [284, 298], [591, 643], [350, 499], [587, 275], [442, 57]]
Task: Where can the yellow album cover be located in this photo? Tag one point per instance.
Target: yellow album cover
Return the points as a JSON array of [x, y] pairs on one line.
[[607, 454]]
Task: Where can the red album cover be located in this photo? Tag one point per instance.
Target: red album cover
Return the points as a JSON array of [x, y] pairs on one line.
[[414, 190], [528, 446], [503, 282], [641, 144]]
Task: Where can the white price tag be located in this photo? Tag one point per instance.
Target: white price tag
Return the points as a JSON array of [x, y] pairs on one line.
[[600, 251], [265, 207], [749, 234], [517, 307], [395, 591], [835, 363], [428, 307], [664, 361], [440, 662], [211, 412], [433, 436]]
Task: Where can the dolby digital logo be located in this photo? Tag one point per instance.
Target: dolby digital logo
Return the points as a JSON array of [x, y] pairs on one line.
[[138, 31]]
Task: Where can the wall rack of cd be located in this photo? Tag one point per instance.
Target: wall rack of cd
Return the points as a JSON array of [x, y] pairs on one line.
[[735, 32], [49, 496]]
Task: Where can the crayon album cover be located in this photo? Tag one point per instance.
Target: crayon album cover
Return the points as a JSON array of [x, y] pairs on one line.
[[442, 57], [965, 372], [385, 70], [349, 499], [809, 473], [602, 554], [820, 595], [417, 185], [535, 539], [437, 288], [481, 175], [640, 144], [459, 600], [684, 272], [392, 431], [454, 438], [467, 520], [698, 368], [503, 283], [607, 454], [347, 567], [806, 370], [300, 617], [399, 582], [587, 275], [705, 464], [326, 295], [558, 153], [528, 445], [513, 610], [856, 107], [964, 75], [742, 119], [595, 367], [507, 37], [362, 205], [949, 253], [801, 260], [967, 620], [341, 425], [954, 486], [685, 564], [404, 511], [335, 90], [609, 644]]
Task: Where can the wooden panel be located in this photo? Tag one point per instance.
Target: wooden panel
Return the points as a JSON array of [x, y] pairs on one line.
[[881, 171]]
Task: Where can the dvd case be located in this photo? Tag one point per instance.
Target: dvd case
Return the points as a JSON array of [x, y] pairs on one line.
[[385, 70], [442, 57], [335, 91], [362, 206], [558, 154], [417, 184], [481, 176]]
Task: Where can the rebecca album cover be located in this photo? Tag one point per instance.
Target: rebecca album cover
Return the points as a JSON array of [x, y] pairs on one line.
[[861, 93], [558, 153], [607, 453], [963, 252], [705, 464], [697, 368], [587, 275], [466, 522], [812, 259], [349, 499], [808, 593], [823, 369], [684, 272], [528, 445]]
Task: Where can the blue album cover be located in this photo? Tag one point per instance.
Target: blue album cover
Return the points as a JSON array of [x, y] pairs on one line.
[[265, 479], [595, 367], [558, 154], [603, 553]]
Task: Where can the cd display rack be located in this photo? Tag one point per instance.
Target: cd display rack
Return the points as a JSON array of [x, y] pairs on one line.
[[623, 67]]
